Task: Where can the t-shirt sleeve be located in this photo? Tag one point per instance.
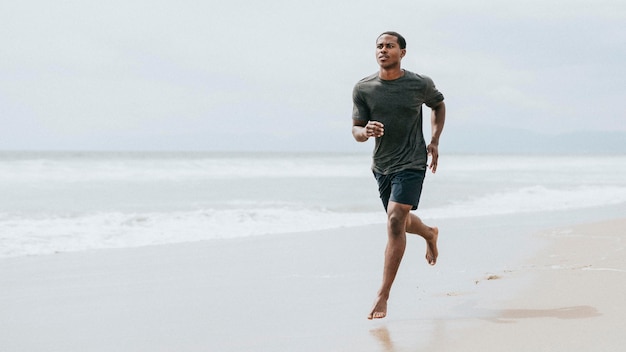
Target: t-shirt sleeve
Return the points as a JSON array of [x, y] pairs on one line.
[[359, 108], [432, 95]]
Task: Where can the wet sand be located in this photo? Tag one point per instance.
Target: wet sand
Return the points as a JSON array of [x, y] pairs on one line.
[[574, 300], [558, 290]]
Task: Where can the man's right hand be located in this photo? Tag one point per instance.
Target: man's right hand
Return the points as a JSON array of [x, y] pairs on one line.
[[374, 129]]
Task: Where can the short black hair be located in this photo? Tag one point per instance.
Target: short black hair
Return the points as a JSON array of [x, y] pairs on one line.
[[401, 40]]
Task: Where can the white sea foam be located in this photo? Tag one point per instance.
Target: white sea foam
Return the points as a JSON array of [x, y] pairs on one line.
[[530, 199], [49, 234], [45, 234], [62, 202]]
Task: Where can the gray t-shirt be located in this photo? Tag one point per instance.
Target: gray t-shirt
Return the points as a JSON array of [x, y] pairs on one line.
[[397, 104]]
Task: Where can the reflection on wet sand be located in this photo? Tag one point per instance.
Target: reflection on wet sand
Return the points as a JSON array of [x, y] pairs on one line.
[[383, 336], [505, 316]]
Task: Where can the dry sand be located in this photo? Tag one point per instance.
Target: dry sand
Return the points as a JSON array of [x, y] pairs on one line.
[[312, 292]]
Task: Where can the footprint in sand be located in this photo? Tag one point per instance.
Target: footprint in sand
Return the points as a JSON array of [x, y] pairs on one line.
[[490, 277]]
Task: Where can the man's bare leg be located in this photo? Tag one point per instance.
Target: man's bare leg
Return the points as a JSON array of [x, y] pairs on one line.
[[397, 215], [415, 225]]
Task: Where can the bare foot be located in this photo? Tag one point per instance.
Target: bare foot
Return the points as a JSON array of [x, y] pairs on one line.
[[380, 309], [431, 247]]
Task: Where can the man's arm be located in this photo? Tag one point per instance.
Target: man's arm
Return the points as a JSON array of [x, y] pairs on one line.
[[362, 130], [437, 120]]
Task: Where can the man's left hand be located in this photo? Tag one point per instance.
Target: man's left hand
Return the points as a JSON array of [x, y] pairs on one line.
[[433, 152]]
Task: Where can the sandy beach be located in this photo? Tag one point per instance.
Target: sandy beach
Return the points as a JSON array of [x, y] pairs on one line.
[[559, 289], [575, 300]]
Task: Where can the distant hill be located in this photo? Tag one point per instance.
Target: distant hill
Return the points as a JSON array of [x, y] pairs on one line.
[[501, 140]]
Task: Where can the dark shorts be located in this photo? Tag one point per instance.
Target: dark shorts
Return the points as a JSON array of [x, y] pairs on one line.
[[403, 187]]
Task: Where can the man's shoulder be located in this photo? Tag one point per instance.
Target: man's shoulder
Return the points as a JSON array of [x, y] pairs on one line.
[[416, 76], [371, 78]]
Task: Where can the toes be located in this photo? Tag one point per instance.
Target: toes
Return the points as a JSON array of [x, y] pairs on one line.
[[431, 260], [377, 315]]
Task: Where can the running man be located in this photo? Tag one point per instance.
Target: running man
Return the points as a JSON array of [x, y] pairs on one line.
[[388, 107]]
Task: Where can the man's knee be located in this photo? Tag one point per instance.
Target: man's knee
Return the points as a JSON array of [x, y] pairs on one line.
[[397, 216]]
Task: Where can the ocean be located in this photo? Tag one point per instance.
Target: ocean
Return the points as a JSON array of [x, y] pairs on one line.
[[54, 202]]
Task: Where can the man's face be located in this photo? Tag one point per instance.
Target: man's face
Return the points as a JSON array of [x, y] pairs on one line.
[[388, 52]]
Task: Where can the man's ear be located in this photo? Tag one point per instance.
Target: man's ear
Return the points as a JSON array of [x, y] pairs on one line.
[[402, 53]]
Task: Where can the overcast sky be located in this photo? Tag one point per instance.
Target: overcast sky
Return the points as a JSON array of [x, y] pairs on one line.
[[278, 74]]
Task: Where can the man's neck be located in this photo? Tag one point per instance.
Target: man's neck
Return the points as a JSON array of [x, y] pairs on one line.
[[390, 74]]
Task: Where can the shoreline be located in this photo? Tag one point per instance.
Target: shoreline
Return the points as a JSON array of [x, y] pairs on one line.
[[312, 292]]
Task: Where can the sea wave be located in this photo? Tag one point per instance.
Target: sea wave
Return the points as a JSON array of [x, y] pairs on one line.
[[181, 169], [531, 199], [22, 234]]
